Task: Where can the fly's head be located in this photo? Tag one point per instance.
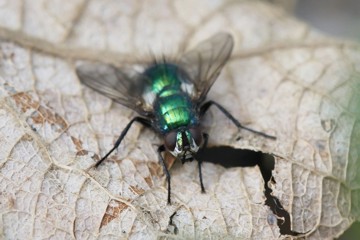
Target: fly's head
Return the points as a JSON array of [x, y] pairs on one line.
[[184, 143]]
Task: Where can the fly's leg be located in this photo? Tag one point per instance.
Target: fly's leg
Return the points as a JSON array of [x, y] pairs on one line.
[[144, 121], [206, 137], [160, 150], [207, 105]]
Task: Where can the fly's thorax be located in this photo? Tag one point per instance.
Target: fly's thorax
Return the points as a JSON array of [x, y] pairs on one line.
[[165, 79], [184, 143]]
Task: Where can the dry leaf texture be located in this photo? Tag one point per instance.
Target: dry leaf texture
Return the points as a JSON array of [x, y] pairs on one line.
[[283, 78]]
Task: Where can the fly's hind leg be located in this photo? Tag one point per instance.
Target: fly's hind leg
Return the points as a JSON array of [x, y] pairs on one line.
[[144, 121], [207, 105]]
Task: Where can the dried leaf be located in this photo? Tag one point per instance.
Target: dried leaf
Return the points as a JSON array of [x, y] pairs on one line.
[[283, 78]]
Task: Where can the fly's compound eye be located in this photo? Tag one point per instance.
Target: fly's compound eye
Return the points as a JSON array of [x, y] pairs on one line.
[[196, 135], [170, 140]]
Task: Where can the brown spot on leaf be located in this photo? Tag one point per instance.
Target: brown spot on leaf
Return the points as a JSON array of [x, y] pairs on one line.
[[148, 180], [96, 157], [25, 101], [27, 137], [136, 190], [41, 113], [78, 146], [155, 169], [112, 211], [169, 160], [46, 115]]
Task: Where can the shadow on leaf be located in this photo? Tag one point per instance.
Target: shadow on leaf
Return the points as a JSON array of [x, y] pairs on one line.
[[231, 157]]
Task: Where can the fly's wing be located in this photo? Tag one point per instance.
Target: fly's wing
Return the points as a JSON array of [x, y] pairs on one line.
[[115, 84], [203, 64]]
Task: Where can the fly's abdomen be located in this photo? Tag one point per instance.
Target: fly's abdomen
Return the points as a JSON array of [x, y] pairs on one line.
[[175, 111]]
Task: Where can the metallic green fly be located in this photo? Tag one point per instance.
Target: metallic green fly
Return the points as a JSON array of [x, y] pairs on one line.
[[169, 97]]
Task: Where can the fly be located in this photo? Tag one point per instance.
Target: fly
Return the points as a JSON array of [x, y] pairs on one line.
[[169, 97]]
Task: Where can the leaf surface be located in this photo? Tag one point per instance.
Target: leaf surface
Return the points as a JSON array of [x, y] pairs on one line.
[[283, 78]]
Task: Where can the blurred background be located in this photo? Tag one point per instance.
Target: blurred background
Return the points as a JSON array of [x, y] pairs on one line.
[[338, 18]]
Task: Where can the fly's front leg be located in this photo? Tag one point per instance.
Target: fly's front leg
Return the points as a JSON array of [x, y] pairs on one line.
[[206, 137], [144, 121], [160, 150], [207, 105]]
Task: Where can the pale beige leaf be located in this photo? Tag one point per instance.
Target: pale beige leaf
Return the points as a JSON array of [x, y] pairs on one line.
[[283, 78]]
